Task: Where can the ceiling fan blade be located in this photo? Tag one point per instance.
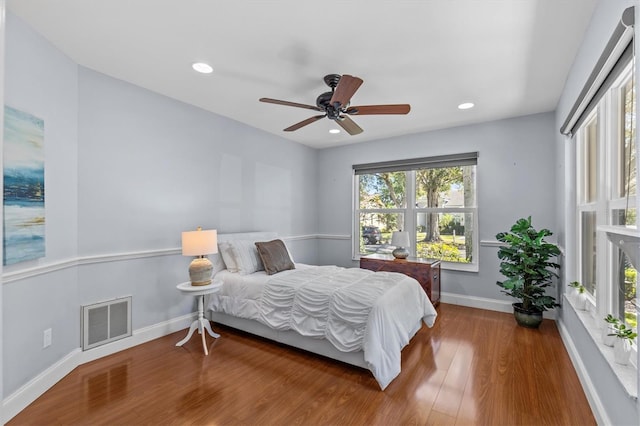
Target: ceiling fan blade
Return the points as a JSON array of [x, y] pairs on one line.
[[379, 109], [304, 123], [345, 89], [287, 103], [349, 125]]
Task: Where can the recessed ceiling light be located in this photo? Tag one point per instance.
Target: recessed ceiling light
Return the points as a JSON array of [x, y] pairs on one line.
[[202, 67], [334, 131], [466, 105]]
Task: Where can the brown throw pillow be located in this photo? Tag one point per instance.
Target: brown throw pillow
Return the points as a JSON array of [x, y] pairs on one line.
[[274, 256]]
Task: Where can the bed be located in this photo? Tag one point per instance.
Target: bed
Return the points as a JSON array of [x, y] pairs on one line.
[[353, 315]]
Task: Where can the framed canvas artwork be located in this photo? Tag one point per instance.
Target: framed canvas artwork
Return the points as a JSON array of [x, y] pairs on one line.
[[24, 214]]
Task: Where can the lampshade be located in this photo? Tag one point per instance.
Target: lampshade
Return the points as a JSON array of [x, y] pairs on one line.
[[400, 239], [200, 243]]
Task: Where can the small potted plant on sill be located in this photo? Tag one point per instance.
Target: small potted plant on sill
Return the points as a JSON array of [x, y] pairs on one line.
[[623, 343], [609, 330], [526, 262], [579, 297]]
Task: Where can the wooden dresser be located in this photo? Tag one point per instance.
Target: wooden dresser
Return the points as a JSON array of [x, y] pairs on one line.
[[425, 271]]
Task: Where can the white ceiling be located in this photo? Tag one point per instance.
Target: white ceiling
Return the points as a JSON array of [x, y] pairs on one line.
[[509, 57]]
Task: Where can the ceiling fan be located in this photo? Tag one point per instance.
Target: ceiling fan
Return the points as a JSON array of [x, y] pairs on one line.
[[335, 104]]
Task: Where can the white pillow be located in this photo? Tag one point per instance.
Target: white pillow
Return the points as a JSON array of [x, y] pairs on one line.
[[227, 256], [246, 256]]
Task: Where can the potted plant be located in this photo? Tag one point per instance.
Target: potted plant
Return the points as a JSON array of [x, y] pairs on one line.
[[579, 298], [608, 332], [526, 263], [623, 343]]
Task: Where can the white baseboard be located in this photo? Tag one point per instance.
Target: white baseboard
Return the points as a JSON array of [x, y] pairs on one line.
[[476, 302], [484, 303], [33, 389], [587, 385]]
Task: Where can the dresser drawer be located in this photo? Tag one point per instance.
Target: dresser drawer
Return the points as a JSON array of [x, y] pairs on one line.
[[425, 271]]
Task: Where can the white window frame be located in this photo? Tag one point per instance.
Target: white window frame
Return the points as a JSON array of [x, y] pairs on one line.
[[609, 113], [410, 212]]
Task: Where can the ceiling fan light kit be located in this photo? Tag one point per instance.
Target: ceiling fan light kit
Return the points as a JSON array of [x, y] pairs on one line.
[[335, 104]]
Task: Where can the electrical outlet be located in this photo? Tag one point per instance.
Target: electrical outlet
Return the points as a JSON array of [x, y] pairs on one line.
[[46, 338]]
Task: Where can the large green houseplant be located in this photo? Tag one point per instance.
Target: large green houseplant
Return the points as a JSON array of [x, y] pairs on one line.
[[527, 263]]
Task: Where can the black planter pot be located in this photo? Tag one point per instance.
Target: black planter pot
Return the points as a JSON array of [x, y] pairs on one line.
[[524, 318]]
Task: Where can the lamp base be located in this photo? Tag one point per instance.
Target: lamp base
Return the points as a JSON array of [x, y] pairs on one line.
[[200, 271], [400, 253]]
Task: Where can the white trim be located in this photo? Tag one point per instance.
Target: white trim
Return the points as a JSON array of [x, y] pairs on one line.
[[476, 302], [8, 277], [459, 266], [300, 237], [585, 380], [485, 303], [491, 243], [33, 389], [333, 237], [118, 257]]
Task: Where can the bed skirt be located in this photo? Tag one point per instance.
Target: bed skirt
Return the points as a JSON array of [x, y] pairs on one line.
[[291, 338]]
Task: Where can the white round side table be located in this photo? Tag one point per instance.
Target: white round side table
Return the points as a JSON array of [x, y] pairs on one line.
[[201, 324]]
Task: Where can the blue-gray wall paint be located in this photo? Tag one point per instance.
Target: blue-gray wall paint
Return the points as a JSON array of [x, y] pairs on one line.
[[2, 59], [128, 170], [43, 82], [620, 408], [151, 167]]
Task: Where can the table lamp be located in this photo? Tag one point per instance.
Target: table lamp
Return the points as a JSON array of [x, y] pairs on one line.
[[200, 243], [400, 239]]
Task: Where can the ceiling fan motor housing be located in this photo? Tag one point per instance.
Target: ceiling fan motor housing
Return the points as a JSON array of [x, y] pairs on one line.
[[343, 88], [324, 102]]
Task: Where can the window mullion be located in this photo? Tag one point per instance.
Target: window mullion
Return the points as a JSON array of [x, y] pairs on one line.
[[410, 216], [606, 300]]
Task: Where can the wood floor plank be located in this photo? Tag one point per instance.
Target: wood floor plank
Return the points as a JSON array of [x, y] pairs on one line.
[[472, 367]]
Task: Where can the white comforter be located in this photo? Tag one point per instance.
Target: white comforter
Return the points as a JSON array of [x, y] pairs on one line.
[[354, 309]]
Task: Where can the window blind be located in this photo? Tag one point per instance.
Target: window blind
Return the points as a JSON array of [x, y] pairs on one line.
[[617, 54], [453, 160]]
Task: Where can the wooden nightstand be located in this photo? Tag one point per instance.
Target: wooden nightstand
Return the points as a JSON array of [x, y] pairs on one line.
[[425, 271]]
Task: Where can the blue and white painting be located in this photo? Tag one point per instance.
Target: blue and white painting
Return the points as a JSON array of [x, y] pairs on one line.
[[23, 186]]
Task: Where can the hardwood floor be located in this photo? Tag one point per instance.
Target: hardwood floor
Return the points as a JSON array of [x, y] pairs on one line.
[[472, 367]]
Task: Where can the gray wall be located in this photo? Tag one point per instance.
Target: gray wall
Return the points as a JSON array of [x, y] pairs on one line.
[[2, 58], [42, 81], [620, 408], [515, 178], [127, 171], [151, 167]]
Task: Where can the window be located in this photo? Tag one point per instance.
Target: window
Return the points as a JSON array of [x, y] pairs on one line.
[[587, 197], [606, 195], [434, 198]]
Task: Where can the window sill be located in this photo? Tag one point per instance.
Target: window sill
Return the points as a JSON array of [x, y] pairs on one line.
[[626, 374]]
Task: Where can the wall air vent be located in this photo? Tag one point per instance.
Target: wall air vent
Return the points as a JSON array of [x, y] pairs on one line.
[[106, 322]]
